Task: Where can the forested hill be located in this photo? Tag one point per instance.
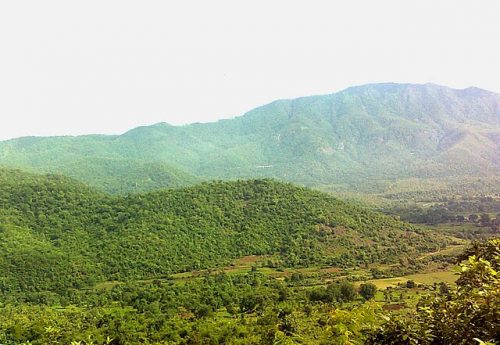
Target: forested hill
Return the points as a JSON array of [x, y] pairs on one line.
[[56, 233], [379, 131]]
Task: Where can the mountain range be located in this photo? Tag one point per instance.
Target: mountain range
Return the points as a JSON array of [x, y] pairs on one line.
[[366, 133]]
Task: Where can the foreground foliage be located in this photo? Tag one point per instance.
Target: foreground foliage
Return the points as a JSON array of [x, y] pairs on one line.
[[466, 314]]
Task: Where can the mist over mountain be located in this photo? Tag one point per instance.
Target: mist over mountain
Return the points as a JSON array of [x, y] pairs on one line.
[[376, 131]]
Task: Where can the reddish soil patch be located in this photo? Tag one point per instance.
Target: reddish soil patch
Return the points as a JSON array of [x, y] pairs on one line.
[[396, 306], [330, 270], [247, 260]]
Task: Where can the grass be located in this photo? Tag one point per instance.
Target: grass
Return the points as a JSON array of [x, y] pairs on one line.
[[430, 278], [450, 250], [448, 277]]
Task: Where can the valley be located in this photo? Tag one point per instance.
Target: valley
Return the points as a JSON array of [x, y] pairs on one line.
[[367, 216], [239, 262]]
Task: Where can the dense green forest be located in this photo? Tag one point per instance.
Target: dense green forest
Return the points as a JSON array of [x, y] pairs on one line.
[[354, 140], [241, 262], [57, 234]]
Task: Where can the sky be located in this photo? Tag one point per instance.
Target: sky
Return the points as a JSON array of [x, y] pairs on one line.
[[77, 67]]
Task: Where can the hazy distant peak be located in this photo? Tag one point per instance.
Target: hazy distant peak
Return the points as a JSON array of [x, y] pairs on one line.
[[390, 87], [157, 126], [384, 130]]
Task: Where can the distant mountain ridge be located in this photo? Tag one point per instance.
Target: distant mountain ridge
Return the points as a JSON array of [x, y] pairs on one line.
[[375, 131]]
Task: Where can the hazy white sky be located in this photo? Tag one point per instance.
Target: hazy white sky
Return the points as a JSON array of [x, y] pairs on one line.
[[73, 67]]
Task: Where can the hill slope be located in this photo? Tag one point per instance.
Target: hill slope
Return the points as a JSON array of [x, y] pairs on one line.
[[86, 159], [379, 131], [57, 234]]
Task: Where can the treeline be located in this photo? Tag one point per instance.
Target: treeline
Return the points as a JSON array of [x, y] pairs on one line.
[[464, 193], [441, 215], [484, 212]]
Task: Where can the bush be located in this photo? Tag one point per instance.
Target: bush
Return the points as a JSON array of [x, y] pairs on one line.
[[367, 291]]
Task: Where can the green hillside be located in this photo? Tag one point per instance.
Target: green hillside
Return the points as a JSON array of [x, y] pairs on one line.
[[56, 233], [377, 132], [88, 162]]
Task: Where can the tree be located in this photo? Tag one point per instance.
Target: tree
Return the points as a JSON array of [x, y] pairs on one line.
[[410, 284], [485, 219], [347, 291], [473, 218], [368, 290], [203, 311]]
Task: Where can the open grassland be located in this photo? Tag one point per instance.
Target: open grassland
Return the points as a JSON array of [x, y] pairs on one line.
[[430, 278]]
